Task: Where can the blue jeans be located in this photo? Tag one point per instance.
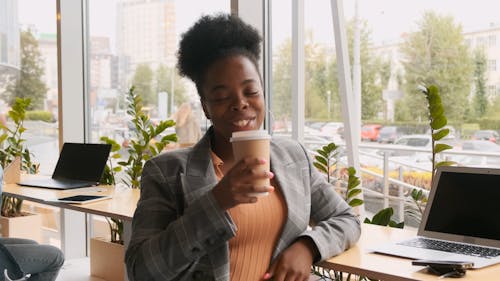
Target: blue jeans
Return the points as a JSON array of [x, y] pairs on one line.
[[41, 261]]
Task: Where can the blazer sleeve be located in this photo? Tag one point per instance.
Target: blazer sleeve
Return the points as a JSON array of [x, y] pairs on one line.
[[166, 239], [335, 226]]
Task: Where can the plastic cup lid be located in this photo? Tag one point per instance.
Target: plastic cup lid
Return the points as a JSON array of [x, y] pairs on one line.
[[250, 135]]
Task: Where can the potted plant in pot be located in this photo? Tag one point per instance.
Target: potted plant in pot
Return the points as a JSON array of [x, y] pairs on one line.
[[147, 140], [14, 156]]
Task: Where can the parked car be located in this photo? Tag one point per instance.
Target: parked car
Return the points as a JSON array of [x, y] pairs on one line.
[[331, 128], [480, 145], [410, 141], [370, 132], [488, 135], [315, 125], [479, 160], [389, 134]]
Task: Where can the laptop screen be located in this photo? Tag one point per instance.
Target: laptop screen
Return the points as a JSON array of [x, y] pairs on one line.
[[82, 161], [466, 203]]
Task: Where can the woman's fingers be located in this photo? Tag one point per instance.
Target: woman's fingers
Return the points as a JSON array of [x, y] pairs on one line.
[[243, 183], [249, 190]]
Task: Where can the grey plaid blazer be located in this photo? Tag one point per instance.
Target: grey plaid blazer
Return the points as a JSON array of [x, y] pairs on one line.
[[180, 233]]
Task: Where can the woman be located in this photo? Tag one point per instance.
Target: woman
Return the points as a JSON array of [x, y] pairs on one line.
[[196, 219]]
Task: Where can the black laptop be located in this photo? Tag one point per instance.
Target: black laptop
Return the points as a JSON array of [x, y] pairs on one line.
[[79, 165], [460, 222]]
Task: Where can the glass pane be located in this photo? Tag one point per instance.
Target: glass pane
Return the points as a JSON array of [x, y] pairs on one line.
[[28, 69], [135, 43]]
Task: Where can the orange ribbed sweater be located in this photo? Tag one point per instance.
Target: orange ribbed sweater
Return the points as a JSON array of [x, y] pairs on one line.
[[259, 227]]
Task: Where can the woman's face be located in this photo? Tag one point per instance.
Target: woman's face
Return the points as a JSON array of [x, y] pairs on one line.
[[232, 96]]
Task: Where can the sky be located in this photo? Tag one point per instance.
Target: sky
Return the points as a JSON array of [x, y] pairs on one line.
[[388, 19]]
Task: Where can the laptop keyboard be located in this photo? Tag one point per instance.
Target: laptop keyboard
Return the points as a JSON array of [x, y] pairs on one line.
[[451, 247]]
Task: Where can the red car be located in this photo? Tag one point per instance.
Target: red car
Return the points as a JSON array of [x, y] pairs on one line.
[[370, 132]]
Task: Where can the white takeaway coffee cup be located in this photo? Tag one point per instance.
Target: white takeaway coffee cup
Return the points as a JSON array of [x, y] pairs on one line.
[[254, 143]]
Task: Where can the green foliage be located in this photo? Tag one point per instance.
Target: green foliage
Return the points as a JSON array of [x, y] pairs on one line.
[[325, 162], [437, 122], [321, 84], [480, 101], [143, 82], [142, 147], [163, 78], [282, 86], [352, 190], [326, 159], [108, 176], [436, 54], [374, 74], [12, 146], [142, 144], [29, 82], [116, 229], [383, 217], [417, 200], [39, 115]]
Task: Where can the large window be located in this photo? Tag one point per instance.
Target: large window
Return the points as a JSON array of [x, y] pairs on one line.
[[135, 43], [28, 69], [401, 45]]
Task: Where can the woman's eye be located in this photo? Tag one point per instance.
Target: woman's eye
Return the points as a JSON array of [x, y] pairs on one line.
[[219, 99], [252, 93]]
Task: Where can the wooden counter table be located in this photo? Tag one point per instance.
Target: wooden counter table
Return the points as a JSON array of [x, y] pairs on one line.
[[360, 261]]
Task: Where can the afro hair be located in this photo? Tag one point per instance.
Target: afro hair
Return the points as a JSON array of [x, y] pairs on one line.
[[212, 38]]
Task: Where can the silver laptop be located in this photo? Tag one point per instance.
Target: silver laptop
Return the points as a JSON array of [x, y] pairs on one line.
[[79, 165], [461, 221]]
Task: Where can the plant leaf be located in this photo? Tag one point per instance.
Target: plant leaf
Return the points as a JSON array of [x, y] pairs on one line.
[[440, 134], [353, 192], [438, 122], [441, 147], [445, 163], [321, 160], [355, 202], [320, 167]]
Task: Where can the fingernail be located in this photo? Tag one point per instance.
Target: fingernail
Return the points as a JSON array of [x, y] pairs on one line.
[[266, 276], [262, 161], [271, 188], [271, 175]]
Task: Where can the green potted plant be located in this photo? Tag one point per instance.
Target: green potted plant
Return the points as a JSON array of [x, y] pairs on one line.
[[12, 146], [326, 162], [437, 123], [146, 141]]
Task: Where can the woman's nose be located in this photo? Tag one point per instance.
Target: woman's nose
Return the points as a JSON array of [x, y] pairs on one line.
[[239, 103]]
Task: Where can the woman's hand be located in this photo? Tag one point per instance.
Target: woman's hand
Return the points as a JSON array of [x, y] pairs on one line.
[[294, 264], [237, 185]]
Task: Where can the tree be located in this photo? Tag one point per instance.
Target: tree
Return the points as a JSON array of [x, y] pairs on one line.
[[282, 82], [435, 54], [480, 101], [28, 83], [143, 83], [163, 79], [493, 110], [321, 79], [316, 80]]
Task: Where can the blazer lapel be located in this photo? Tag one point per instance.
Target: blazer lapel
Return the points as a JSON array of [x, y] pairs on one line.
[[199, 176], [289, 178], [199, 179]]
